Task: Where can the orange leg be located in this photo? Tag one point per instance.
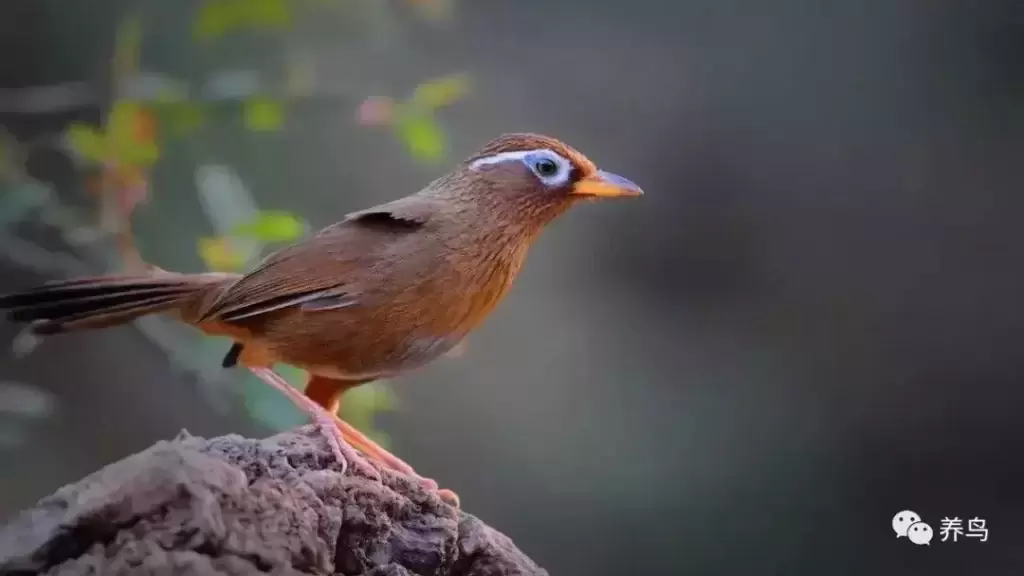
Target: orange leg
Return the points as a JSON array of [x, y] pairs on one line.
[[326, 393]]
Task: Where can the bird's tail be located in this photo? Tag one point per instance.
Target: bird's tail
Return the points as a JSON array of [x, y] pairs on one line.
[[105, 301]]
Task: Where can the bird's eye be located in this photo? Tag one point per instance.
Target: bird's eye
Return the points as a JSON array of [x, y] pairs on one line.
[[552, 170], [545, 167]]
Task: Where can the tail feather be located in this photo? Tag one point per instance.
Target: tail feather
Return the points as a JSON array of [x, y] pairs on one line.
[[72, 305], [100, 302], [111, 316]]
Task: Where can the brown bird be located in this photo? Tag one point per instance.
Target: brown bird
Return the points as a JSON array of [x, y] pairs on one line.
[[384, 291]]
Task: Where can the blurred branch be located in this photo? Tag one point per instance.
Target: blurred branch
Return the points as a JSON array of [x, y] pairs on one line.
[[34, 257], [54, 98]]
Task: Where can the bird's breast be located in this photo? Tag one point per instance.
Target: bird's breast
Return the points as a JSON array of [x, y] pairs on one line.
[[474, 286]]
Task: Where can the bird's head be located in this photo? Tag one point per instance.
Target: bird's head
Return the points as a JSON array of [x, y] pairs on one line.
[[531, 174]]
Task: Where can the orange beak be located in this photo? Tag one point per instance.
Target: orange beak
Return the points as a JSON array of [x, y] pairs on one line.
[[606, 185]]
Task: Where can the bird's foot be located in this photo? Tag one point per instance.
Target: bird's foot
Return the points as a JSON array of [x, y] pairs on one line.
[[376, 452], [343, 437], [449, 497]]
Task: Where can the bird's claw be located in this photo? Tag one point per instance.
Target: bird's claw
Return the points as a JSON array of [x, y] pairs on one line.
[[448, 497], [344, 440]]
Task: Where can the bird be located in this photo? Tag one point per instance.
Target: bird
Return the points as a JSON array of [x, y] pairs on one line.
[[380, 293]]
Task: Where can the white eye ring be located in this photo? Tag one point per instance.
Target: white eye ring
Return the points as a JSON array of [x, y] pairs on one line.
[[533, 159]]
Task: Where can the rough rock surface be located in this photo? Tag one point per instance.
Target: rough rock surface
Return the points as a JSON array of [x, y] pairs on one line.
[[232, 505]]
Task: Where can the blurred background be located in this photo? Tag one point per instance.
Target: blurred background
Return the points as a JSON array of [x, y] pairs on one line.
[[811, 321]]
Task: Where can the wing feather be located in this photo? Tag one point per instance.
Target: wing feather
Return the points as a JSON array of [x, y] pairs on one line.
[[322, 272]]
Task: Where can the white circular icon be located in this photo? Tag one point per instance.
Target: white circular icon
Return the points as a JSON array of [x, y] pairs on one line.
[[920, 533], [902, 521]]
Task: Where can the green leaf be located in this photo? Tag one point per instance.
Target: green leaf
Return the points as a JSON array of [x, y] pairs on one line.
[[87, 142], [421, 135], [272, 226], [212, 19], [269, 13], [263, 114], [363, 403], [120, 123], [219, 254], [139, 154], [440, 92], [128, 138], [217, 17]]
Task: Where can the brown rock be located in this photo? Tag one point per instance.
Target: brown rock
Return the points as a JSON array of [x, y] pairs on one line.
[[232, 505]]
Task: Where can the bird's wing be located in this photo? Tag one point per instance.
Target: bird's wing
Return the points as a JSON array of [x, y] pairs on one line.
[[409, 213], [322, 271]]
